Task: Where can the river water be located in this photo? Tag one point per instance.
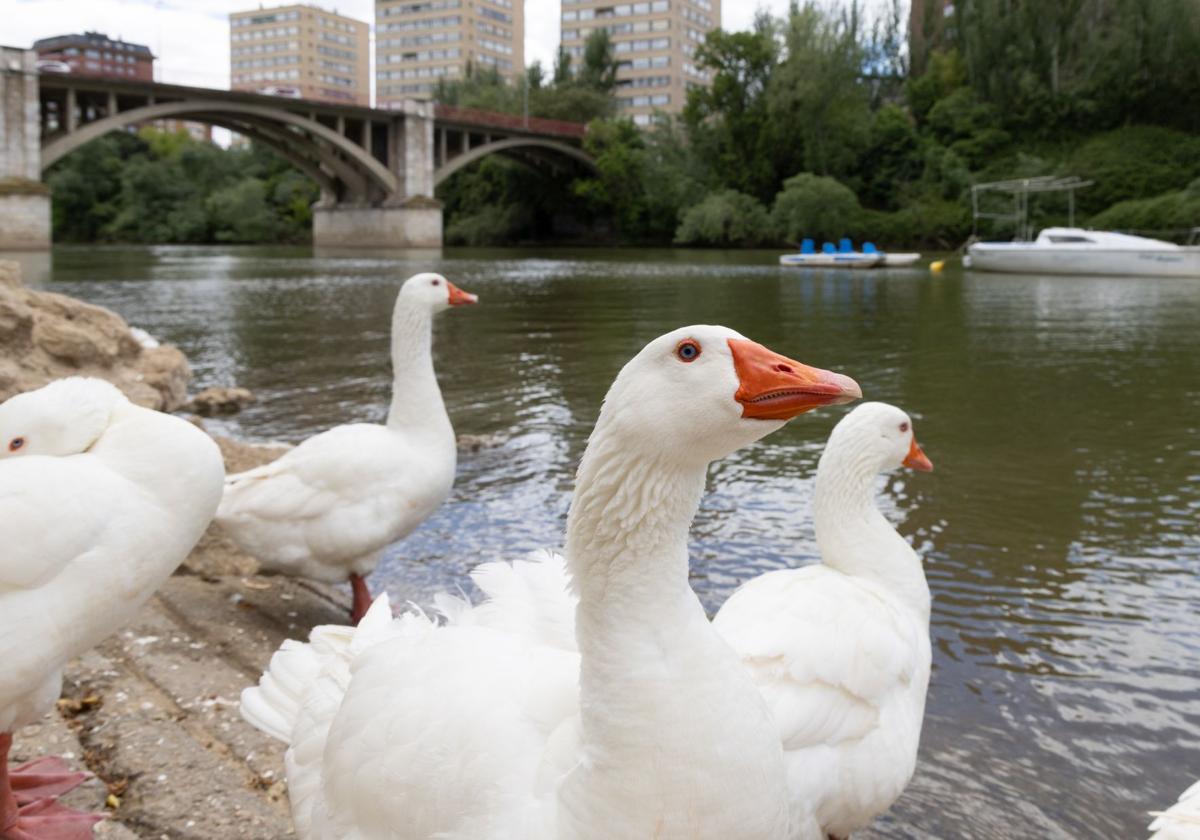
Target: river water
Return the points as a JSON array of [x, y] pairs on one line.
[[1059, 528]]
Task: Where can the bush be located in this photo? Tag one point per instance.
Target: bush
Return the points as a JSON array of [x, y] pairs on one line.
[[816, 207], [1134, 162], [727, 217], [495, 225], [240, 213], [927, 222], [1174, 211]]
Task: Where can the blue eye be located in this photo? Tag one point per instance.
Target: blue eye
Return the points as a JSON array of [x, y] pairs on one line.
[[688, 350], [16, 443]]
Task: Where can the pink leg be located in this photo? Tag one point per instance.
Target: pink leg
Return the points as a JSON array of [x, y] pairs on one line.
[[42, 777], [27, 817], [362, 598]]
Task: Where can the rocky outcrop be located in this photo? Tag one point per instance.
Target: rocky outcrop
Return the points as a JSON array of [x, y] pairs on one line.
[[218, 400], [46, 336]]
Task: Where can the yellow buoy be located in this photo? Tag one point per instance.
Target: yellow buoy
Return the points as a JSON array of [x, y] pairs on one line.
[[937, 265]]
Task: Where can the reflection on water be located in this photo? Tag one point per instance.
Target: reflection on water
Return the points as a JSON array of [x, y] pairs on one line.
[[1060, 529]]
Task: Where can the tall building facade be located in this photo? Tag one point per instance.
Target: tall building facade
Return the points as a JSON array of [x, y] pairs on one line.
[[300, 51], [655, 43], [95, 54], [420, 42]]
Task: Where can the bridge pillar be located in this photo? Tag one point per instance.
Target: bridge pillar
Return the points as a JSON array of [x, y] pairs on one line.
[[410, 218], [24, 199]]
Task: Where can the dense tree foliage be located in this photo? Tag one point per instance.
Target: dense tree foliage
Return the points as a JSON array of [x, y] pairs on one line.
[[815, 116], [156, 187]]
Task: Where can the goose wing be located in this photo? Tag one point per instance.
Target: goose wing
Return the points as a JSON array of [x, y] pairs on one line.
[[826, 651], [37, 496]]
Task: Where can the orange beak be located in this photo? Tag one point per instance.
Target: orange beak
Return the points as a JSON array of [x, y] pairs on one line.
[[458, 297], [917, 459], [774, 387]]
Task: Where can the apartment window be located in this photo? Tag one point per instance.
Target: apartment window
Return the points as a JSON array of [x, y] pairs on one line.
[[414, 8], [642, 45], [644, 81]]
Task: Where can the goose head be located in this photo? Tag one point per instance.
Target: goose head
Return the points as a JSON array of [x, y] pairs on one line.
[[699, 393], [883, 434], [434, 291], [63, 418]]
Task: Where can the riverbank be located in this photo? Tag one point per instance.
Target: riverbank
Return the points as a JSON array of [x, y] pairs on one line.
[[152, 711]]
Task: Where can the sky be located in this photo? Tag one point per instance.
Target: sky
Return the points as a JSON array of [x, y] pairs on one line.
[[191, 37]]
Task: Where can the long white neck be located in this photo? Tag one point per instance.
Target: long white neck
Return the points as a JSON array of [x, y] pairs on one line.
[[417, 405], [853, 536], [671, 723]]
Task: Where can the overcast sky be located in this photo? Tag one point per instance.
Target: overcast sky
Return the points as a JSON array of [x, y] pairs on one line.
[[191, 37]]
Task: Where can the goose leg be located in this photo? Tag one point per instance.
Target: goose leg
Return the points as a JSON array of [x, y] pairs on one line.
[[362, 598], [27, 807]]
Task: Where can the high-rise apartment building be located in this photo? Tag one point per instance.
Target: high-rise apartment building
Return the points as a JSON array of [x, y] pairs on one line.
[[95, 54], [300, 51], [655, 43], [419, 42]]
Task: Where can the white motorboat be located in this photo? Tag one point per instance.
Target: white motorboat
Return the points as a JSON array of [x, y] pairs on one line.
[[1066, 250]]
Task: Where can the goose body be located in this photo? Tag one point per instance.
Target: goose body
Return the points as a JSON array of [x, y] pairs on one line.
[[325, 509], [485, 726], [1182, 820], [101, 501], [840, 650]]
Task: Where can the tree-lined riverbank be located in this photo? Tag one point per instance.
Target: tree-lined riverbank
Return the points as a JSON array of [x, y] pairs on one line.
[[823, 122]]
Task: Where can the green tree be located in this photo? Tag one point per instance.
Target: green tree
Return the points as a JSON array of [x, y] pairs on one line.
[[599, 69], [816, 207], [727, 217], [240, 212], [729, 120], [817, 95]]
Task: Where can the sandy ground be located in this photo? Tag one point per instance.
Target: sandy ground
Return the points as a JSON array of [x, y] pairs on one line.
[[152, 711]]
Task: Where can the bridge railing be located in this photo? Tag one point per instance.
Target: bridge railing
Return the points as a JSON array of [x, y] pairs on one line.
[[509, 122]]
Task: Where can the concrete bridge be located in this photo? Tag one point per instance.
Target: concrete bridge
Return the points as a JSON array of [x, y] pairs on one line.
[[377, 169]]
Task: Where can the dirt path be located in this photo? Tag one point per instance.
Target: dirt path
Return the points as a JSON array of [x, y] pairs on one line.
[[153, 711]]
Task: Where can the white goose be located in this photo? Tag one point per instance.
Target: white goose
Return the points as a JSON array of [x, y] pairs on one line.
[[328, 507], [100, 501], [404, 729], [840, 649], [1182, 820]]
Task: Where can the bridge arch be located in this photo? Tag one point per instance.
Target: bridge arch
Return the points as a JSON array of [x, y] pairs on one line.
[[337, 157], [511, 144]]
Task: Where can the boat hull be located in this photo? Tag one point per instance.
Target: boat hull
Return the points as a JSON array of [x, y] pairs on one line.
[[831, 260], [1025, 258]]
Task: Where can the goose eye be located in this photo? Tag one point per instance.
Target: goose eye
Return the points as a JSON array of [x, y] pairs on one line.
[[15, 444], [687, 351], [437, 282], [904, 427]]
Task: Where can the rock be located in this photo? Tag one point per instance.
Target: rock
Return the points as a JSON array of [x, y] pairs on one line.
[[212, 401], [46, 336], [474, 443]]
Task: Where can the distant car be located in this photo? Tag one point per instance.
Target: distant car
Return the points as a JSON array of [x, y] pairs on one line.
[[53, 65], [289, 92]]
